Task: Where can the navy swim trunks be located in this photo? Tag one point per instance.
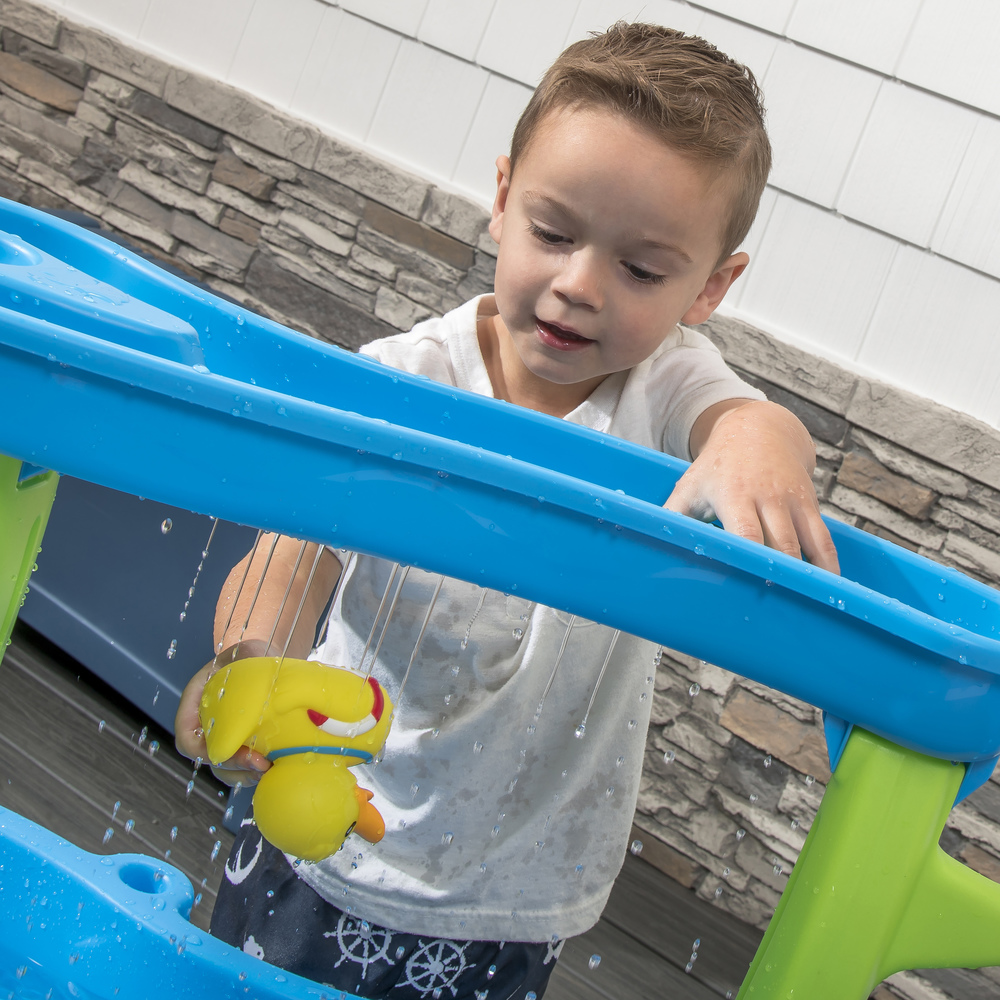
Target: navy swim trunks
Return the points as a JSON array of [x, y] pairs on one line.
[[266, 910]]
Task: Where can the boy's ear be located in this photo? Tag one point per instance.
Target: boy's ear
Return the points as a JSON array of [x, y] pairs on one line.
[[715, 289], [500, 201]]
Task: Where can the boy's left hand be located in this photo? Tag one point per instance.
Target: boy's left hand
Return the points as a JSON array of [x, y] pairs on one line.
[[753, 470]]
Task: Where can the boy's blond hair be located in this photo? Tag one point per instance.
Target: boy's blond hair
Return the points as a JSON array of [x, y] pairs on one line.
[[682, 89]]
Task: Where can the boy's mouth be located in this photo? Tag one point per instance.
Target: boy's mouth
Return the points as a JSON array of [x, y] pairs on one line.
[[559, 337]]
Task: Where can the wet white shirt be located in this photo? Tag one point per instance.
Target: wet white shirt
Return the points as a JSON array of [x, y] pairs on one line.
[[502, 823]]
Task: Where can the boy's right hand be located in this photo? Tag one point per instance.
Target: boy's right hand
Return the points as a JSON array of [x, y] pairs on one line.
[[245, 767]]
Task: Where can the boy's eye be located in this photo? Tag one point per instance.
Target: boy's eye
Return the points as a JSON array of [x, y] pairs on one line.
[[643, 276], [552, 239]]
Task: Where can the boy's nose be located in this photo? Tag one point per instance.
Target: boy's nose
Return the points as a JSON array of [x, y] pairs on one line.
[[580, 281]]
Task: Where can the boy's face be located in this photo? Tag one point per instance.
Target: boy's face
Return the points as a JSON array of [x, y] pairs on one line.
[[608, 238]]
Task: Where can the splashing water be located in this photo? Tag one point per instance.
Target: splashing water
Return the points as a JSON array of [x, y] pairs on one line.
[[582, 728], [472, 621], [204, 554], [555, 666]]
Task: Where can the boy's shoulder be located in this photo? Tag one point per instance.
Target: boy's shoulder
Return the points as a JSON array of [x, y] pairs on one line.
[[444, 348]]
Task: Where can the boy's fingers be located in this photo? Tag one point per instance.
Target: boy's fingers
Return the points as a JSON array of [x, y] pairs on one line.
[[797, 529], [245, 767], [190, 739], [817, 544]]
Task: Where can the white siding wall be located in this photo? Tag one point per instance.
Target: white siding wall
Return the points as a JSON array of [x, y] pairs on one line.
[[878, 243]]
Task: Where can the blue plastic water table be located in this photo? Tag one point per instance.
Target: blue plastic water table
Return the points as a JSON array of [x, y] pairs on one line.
[[118, 373]]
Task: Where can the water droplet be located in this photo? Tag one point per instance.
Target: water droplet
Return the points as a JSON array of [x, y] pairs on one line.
[[619, 761], [767, 761], [115, 808], [531, 995], [777, 869], [578, 869], [477, 747], [725, 873], [632, 723], [495, 832], [740, 834], [172, 650], [753, 797], [810, 779], [447, 838], [400, 952], [595, 961], [215, 850], [129, 825], [695, 689], [518, 634], [718, 891], [413, 790], [108, 834], [699, 550], [795, 824], [491, 972], [189, 789], [669, 756], [580, 731], [482, 867], [610, 791], [636, 847], [239, 319], [154, 746], [166, 525], [173, 834], [101, 725]]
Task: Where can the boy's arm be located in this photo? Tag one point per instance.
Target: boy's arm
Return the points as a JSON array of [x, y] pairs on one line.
[[752, 468], [258, 610]]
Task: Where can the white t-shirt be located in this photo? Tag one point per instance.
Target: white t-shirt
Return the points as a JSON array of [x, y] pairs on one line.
[[502, 823]]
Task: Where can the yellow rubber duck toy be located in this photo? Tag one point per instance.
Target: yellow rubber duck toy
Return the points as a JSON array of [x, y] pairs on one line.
[[313, 722]]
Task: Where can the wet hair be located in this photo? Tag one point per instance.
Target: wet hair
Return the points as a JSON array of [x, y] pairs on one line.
[[678, 87]]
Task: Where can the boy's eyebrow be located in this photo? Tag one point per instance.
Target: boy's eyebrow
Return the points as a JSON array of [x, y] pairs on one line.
[[535, 198], [670, 248]]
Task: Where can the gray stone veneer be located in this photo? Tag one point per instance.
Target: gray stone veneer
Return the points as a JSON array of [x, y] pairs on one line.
[[329, 240]]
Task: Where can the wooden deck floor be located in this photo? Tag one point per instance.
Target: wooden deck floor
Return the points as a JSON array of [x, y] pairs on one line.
[[80, 761]]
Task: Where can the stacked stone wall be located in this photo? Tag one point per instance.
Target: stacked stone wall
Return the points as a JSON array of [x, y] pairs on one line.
[[331, 241]]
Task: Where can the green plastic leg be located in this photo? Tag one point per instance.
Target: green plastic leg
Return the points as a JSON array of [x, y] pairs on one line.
[[872, 892], [24, 512]]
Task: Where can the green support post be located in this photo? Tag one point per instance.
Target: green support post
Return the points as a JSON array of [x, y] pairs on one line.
[[872, 892], [24, 512]]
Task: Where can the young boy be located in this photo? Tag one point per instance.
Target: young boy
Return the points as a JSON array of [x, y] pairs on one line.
[[633, 177]]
